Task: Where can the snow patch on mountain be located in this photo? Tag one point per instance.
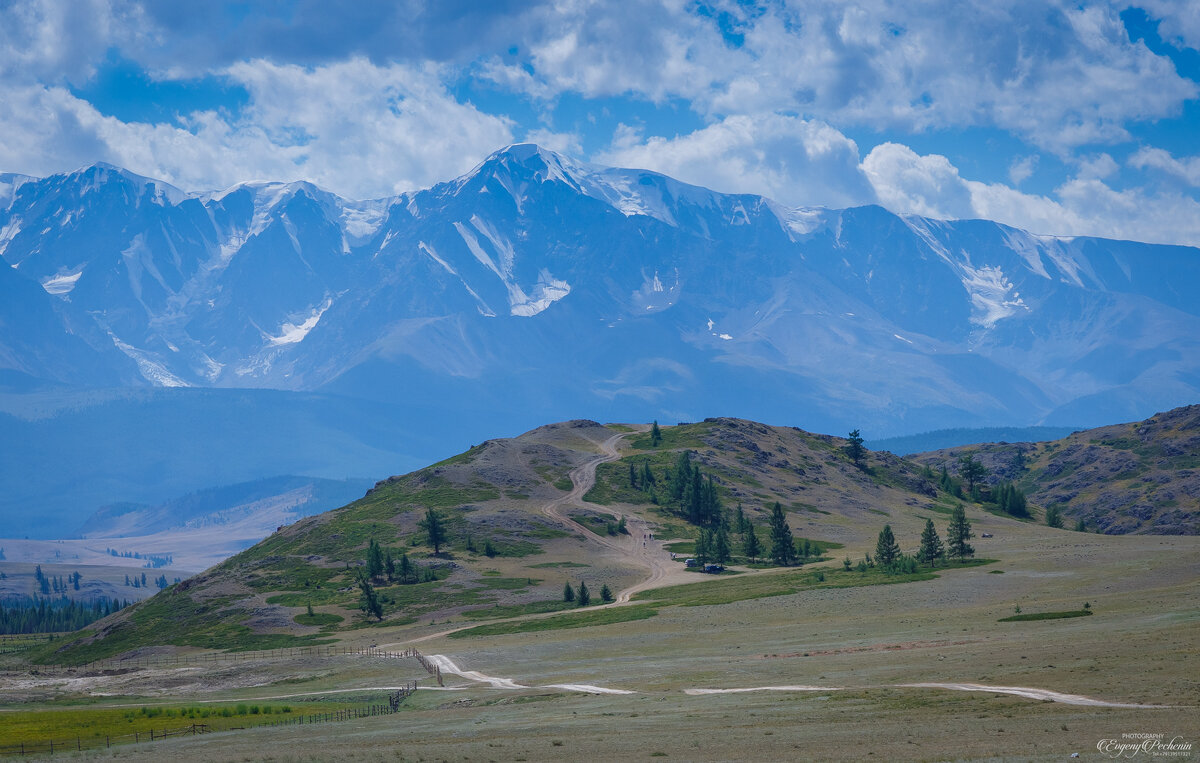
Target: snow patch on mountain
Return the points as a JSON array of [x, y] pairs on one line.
[[292, 333], [361, 221], [546, 292], [481, 305], [8, 233], [149, 367], [61, 284], [993, 297]]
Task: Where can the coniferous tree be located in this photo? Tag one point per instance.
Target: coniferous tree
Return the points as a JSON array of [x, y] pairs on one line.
[[435, 530], [585, 596], [406, 570], [681, 477], [703, 548], [655, 435], [1080, 525], [632, 476], [855, 449], [389, 566], [782, 548], [1053, 516], [750, 545], [374, 559], [740, 520], [568, 592], [887, 550], [931, 545], [606, 593], [647, 476], [958, 533], [971, 470], [720, 545], [370, 600]]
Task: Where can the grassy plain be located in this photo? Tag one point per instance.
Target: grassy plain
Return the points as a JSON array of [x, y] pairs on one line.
[[764, 665]]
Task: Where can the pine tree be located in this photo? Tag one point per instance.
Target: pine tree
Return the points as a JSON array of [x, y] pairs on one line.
[[406, 568], [971, 470], [750, 545], [370, 600], [435, 531], [958, 533], [389, 566], [1053, 516], [887, 550], [568, 592], [489, 550], [720, 545], [855, 449], [740, 521], [782, 548], [703, 548], [374, 560], [681, 477], [647, 477], [655, 435], [585, 596], [1080, 525], [606, 593], [931, 545], [632, 476]]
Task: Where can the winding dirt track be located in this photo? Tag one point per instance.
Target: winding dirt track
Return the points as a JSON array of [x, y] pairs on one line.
[[649, 554]]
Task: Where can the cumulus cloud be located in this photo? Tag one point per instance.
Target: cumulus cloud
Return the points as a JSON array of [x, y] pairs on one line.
[[1179, 21], [1059, 76], [355, 128], [1186, 169], [1085, 206], [792, 160]]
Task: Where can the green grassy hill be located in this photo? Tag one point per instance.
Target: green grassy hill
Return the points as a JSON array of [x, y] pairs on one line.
[[504, 554], [1142, 477]]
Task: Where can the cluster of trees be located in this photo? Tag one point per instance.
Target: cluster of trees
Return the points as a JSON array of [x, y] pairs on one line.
[[971, 472], [136, 581], [931, 552], [44, 615], [382, 564], [686, 487], [583, 597], [56, 583], [153, 561]]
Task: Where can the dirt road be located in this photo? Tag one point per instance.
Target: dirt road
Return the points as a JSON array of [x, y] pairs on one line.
[[636, 546]]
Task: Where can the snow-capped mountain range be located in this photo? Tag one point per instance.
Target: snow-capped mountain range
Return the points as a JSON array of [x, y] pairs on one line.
[[554, 287]]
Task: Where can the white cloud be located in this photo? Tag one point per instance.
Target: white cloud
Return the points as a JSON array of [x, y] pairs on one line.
[[1100, 165], [1179, 20], [1057, 75], [1186, 169], [923, 185], [1022, 169], [1085, 206], [792, 160], [354, 128]]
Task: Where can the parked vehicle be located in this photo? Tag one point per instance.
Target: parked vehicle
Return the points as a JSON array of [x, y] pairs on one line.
[[714, 569]]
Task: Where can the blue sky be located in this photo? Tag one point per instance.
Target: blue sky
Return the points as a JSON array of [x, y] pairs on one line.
[[1067, 118]]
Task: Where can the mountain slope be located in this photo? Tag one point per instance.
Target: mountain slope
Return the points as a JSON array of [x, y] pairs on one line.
[[507, 550], [606, 292], [1142, 477]]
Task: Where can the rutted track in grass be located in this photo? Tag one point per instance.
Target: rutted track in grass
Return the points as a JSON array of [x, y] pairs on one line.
[[449, 667]]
